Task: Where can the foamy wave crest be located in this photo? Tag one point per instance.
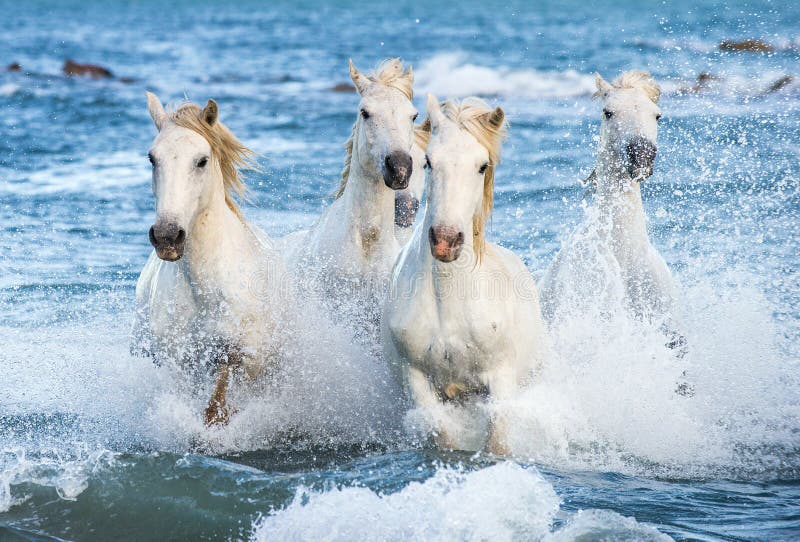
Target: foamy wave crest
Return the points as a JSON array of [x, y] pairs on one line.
[[9, 89], [96, 173], [330, 393], [610, 400], [69, 478], [501, 502], [453, 75]]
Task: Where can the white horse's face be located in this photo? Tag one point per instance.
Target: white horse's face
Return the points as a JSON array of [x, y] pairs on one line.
[[456, 164], [385, 129], [185, 178], [629, 129]]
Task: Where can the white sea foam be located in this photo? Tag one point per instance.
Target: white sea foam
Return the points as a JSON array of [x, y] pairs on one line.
[[69, 477], [329, 393], [452, 74], [9, 89], [501, 502], [95, 173], [609, 401]]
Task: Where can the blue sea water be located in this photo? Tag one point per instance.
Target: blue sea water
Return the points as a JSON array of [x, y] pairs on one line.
[[98, 445]]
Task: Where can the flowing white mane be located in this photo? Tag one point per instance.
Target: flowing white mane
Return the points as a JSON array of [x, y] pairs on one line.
[[231, 154]]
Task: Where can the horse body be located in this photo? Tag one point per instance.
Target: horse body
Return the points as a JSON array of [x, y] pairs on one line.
[[213, 287], [461, 323], [347, 255], [216, 291], [609, 260]]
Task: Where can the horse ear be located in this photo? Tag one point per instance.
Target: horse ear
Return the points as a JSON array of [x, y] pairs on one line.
[[601, 84], [360, 80], [496, 117], [434, 112], [210, 112], [157, 112], [410, 74]]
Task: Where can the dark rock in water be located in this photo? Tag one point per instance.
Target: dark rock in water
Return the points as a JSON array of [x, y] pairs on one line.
[[127, 80], [343, 87], [704, 80], [705, 77], [14, 67], [752, 46], [779, 84], [89, 70]]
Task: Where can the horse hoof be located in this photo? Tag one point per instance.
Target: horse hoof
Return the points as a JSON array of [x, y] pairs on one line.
[[495, 447], [217, 415]]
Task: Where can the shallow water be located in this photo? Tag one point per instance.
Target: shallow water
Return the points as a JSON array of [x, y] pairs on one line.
[[98, 445]]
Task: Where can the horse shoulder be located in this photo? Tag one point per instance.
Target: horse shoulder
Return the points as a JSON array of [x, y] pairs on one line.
[[524, 323]]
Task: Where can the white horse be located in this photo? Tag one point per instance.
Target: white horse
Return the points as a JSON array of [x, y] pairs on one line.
[[609, 260], [347, 255], [461, 324], [213, 289], [407, 202]]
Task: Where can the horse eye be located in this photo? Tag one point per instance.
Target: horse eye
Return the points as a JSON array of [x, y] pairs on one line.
[[482, 170], [608, 114], [202, 162], [427, 162], [364, 114], [658, 117], [151, 158], [414, 118]]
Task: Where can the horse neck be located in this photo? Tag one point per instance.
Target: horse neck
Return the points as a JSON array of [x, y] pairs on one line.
[[619, 201], [215, 233], [368, 205]]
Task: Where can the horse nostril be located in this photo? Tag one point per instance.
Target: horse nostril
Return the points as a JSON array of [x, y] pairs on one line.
[[397, 169], [180, 237], [459, 239], [152, 235], [432, 235]]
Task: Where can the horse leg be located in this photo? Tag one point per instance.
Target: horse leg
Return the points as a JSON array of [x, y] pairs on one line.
[[502, 386], [425, 397], [217, 411]]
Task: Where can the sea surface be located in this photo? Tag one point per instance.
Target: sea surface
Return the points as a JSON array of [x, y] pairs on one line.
[[97, 445]]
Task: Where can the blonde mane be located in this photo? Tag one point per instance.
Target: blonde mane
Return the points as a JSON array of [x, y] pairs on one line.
[[638, 79], [389, 73], [473, 115], [231, 155]]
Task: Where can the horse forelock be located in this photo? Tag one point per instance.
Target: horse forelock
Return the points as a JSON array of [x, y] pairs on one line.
[[641, 80], [230, 153], [392, 73]]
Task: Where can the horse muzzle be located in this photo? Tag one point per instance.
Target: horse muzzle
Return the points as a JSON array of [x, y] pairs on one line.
[[446, 243], [169, 240], [405, 209], [641, 157], [397, 167]]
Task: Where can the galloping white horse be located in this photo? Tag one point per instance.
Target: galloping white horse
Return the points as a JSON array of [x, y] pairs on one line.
[[348, 253], [462, 321], [609, 259], [212, 288]]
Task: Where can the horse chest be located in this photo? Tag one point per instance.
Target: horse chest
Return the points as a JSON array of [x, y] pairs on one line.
[[453, 345]]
